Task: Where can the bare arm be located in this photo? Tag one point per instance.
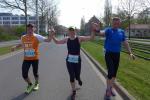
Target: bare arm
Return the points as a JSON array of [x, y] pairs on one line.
[[87, 38], [16, 47], [126, 44], [48, 39], [96, 29], [52, 35], [63, 41]]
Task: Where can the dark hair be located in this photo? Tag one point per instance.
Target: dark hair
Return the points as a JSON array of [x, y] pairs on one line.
[[30, 25], [116, 19], [71, 29]]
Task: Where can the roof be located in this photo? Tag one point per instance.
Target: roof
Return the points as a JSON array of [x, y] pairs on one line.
[[139, 26], [5, 14]]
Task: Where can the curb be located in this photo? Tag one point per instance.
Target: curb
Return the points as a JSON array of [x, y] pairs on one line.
[[5, 56], [120, 89]]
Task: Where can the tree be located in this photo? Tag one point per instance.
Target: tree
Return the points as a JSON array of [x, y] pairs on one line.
[[107, 13], [82, 26], [47, 9], [145, 4], [132, 7], [15, 4], [144, 17]]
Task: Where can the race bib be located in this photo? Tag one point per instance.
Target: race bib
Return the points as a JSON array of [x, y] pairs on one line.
[[29, 53], [73, 58]]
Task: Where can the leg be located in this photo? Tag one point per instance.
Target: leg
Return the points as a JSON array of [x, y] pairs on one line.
[[116, 59], [78, 72], [110, 67], [35, 70], [25, 70], [70, 67]]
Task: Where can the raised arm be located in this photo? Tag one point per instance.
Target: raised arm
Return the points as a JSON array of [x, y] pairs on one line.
[[87, 38], [48, 39], [96, 29], [52, 35], [63, 41]]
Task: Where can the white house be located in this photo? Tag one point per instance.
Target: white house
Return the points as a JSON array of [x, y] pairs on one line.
[[8, 19], [139, 30]]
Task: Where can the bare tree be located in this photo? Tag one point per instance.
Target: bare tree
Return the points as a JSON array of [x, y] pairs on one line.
[[145, 4], [15, 4], [107, 12], [132, 7], [47, 9], [82, 26]]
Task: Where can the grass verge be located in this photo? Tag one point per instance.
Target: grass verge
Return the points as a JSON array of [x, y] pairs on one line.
[[133, 75]]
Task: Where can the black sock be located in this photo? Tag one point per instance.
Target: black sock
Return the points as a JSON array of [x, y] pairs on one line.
[[29, 83]]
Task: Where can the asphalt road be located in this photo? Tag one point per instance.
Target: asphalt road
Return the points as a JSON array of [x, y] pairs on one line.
[[54, 79], [9, 43]]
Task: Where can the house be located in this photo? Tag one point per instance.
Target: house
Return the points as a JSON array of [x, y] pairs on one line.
[[88, 25], [8, 19], [139, 30]]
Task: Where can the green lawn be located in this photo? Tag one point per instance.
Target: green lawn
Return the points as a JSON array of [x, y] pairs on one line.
[[5, 50], [133, 75]]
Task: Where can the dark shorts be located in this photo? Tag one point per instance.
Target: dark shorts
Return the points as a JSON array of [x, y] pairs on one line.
[[74, 70], [26, 65], [112, 62]]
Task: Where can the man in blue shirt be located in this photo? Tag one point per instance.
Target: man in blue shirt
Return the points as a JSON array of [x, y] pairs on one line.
[[114, 38]]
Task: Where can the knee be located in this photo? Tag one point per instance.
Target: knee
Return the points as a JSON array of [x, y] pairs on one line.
[[24, 75], [109, 76]]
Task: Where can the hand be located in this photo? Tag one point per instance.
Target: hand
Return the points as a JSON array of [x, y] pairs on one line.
[[132, 56], [52, 32], [13, 48], [95, 27]]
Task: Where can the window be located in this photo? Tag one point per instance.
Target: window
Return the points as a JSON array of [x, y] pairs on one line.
[[6, 22], [22, 18], [15, 22], [6, 18], [32, 22], [138, 31], [133, 31], [0, 18], [15, 18], [22, 22], [0, 22], [32, 18]]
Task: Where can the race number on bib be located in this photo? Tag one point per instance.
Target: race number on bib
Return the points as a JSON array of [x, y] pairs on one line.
[[29, 53], [73, 58]]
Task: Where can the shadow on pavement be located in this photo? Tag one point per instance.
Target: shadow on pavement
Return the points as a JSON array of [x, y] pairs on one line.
[[20, 97]]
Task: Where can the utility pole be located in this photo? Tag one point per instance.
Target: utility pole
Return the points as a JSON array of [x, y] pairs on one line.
[[25, 11], [37, 18], [129, 19]]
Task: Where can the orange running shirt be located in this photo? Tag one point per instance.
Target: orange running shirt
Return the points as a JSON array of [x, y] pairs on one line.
[[31, 46]]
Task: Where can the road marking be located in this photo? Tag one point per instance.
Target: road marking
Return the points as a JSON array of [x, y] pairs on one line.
[[101, 77]]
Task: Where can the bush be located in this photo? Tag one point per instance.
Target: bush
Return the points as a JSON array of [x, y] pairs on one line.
[[19, 30], [7, 37]]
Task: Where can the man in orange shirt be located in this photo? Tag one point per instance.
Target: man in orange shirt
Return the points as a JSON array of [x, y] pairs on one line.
[[30, 43]]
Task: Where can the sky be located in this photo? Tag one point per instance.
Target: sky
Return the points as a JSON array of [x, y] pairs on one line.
[[71, 11]]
